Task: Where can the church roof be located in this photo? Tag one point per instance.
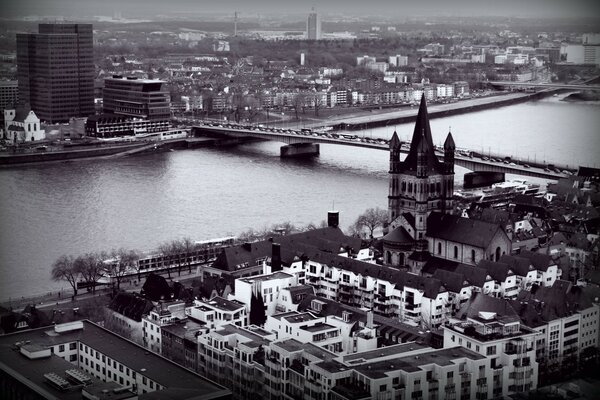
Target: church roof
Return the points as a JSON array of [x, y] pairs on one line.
[[422, 140], [461, 230], [398, 235]]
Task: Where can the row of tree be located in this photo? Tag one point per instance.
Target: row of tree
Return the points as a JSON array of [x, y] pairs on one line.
[[118, 263], [90, 267]]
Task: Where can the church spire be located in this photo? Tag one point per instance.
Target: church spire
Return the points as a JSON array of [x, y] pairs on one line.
[[422, 133]]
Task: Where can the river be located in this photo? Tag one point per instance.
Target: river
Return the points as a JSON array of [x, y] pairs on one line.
[[139, 202]]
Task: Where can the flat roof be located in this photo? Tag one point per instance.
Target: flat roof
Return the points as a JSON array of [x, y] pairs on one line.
[[414, 362], [299, 317], [396, 349], [135, 80], [224, 304], [318, 327], [268, 277], [166, 373]]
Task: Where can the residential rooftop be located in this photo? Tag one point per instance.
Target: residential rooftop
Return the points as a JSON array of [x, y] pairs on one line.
[[158, 369]]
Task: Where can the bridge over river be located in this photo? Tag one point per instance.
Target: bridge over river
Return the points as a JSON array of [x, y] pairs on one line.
[[306, 142]]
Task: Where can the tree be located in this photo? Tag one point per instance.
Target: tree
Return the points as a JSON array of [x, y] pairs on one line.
[[64, 269], [317, 102], [370, 220], [119, 263], [167, 252], [257, 310], [188, 246], [91, 268]]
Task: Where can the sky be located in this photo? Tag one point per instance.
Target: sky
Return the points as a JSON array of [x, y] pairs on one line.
[[149, 8]]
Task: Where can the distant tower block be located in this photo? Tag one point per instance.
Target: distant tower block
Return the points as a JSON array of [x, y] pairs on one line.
[[302, 58], [235, 21], [333, 219]]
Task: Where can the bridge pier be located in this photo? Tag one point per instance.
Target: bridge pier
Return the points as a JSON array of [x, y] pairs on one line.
[[299, 150]]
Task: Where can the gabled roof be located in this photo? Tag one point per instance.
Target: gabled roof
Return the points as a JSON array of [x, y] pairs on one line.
[[452, 281], [540, 261], [422, 139], [476, 276], [325, 239], [461, 230], [497, 270], [130, 305], [519, 265], [480, 302]]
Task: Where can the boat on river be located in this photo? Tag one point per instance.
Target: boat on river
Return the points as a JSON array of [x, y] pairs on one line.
[[497, 195]]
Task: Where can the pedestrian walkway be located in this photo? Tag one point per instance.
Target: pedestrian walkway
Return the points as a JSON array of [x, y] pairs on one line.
[[65, 295]]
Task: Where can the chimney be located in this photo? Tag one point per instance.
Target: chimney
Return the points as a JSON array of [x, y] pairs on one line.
[[276, 257], [333, 219], [370, 319]]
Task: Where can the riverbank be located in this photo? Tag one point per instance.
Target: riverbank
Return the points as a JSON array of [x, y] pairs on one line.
[[435, 110], [72, 153]]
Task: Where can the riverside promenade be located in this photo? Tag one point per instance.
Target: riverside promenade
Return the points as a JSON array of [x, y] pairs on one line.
[[405, 114], [65, 295]]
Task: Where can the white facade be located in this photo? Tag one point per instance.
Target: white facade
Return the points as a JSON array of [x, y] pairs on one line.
[[155, 320], [217, 312], [20, 129], [506, 343], [268, 286]]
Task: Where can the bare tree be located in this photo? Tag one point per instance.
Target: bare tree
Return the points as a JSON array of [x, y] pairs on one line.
[[167, 252], [188, 246], [64, 269], [298, 102], [317, 102], [252, 106], [91, 267], [370, 220], [120, 262]]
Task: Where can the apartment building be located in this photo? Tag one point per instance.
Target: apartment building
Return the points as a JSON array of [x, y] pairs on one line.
[[498, 334], [335, 334], [153, 322], [61, 361], [217, 312]]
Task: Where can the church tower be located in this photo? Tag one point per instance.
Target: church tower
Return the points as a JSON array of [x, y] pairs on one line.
[[418, 186]]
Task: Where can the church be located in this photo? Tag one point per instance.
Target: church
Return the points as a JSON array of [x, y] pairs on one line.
[[421, 225]]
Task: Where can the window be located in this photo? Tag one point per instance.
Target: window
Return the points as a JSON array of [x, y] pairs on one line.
[[450, 375], [439, 248], [455, 251], [72, 346], [61, 348], [491, 350], [473, 255]]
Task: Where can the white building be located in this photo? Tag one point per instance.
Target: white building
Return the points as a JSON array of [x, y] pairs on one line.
[[502, 339], [22, 126], [267, 286], [155, 320], [217, 312]]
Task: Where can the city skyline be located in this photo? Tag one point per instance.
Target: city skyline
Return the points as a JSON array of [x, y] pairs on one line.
[[154, 8]]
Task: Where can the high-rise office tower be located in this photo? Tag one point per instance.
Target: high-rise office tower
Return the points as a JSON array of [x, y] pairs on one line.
[[55, 70], [313, 26]]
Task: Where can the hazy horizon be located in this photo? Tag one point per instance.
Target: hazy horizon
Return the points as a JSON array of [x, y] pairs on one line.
[[388, 8]]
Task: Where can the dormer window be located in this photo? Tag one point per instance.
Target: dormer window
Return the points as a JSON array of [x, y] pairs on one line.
[[316, 305], [346, 316]]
